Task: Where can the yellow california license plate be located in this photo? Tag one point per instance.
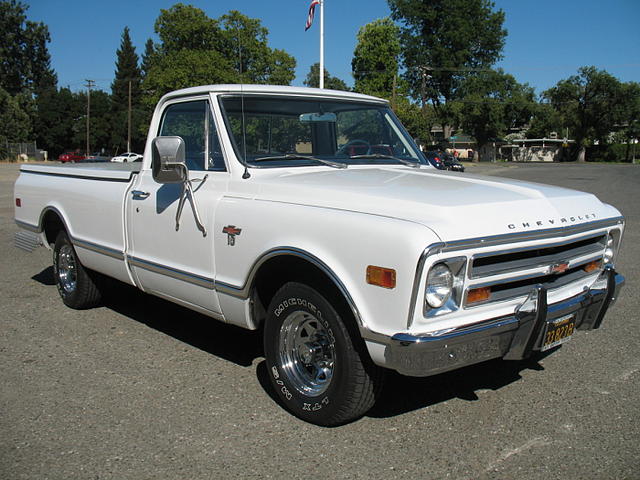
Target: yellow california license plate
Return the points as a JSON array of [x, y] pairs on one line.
[[558, 331]]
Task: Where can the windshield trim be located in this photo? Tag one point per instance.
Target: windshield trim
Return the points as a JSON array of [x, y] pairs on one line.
[[380, 104]]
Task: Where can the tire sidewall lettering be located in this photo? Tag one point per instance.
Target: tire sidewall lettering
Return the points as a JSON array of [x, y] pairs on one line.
[[290, 395]]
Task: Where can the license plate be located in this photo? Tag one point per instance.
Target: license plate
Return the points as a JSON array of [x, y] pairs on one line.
[[558, 331]]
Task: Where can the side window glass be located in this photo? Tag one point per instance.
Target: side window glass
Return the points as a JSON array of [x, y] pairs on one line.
[[215, 159], [188, 120]]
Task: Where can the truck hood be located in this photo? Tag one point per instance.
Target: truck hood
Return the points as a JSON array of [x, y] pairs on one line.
[[455, 206]]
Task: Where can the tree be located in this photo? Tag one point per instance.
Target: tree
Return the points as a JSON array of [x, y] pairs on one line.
[[492, 103], [25, 64], [197, 50], [147, 57], [590, 104], [376, 59], [332, 83], [127, 75], [60, 117], [546, 119], [631, 116], [15, 125], [443, 42], [100, 124]]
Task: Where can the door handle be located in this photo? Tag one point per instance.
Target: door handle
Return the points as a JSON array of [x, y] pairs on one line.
[[139, 194]]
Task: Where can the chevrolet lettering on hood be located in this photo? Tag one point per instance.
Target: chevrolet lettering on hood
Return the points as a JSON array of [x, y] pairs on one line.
[[562, 221]]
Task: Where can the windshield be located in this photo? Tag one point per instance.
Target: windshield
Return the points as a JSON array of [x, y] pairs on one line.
[[281, 131]]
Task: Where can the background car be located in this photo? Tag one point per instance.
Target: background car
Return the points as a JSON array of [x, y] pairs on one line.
[[435, 159], [71, 157], [451, 163], [127, 157], [98, 157]]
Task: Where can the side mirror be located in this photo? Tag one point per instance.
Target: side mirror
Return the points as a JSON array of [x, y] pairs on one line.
[[168, 160]]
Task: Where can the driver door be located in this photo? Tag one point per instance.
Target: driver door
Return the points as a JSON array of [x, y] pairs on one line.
[[175, 259]]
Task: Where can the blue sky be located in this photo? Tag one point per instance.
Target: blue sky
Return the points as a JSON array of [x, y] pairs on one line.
[[548, 40]]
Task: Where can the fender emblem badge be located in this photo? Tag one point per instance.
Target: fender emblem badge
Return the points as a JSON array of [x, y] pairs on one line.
[[231, 231]]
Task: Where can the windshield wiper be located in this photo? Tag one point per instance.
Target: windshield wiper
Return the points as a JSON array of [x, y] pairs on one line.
[[290, 156], [379, 155]]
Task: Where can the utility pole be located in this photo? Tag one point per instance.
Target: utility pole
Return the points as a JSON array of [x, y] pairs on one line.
[[129, 121], [90, 84]]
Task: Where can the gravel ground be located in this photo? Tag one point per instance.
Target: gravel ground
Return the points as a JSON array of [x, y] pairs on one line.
[[142, 389]]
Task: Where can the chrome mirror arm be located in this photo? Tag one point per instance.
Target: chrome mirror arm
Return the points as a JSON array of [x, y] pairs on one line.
[[187, 192]]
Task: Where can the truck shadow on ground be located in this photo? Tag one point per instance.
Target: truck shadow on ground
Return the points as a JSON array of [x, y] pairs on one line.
[[228, 342], [400, 394]]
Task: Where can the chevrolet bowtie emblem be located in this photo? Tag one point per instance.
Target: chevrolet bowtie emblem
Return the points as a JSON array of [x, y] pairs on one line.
[[559, 268], [231, 231]]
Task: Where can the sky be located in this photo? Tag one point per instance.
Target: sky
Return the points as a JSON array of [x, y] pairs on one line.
[[547, 41]]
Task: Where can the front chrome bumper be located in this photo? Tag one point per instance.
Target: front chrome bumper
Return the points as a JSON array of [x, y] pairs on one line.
[[513, 337]]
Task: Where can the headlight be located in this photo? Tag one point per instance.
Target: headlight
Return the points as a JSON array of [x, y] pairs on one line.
[[439, 285]]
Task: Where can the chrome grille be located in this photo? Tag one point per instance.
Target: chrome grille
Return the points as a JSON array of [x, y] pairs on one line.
[[512, 273]]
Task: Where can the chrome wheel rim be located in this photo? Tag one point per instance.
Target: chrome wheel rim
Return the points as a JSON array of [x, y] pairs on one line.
[[67, 274], [306, 353]]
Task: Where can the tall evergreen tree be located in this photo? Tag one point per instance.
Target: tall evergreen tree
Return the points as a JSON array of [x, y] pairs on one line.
[[148, 57], [127, 76]]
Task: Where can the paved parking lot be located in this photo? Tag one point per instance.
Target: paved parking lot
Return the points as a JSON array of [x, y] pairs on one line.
[[141, 389]]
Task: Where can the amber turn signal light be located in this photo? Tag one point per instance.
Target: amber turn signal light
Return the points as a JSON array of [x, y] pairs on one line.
[[382, 277], [592, 266], [476, 295]]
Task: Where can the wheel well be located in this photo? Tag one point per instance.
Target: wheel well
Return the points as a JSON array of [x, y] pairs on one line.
[[277, 271], [52, 224]]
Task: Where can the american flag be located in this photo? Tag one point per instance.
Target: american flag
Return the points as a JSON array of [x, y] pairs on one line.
[[312, 10]]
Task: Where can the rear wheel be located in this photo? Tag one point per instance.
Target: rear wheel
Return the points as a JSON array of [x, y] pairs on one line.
[[75, 284], [312, 360]]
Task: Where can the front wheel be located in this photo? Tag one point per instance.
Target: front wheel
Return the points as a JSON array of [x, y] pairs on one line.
[[312, 360], [76, 286]]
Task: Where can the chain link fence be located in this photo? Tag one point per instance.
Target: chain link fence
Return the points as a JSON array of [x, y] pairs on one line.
[[21, 152]]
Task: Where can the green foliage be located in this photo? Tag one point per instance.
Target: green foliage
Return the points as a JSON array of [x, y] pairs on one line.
[[15, 124], [417, 120], [58, 112], [493, 102], [127, 71], [197, 50], [185, 68], [445, 41], [546, 119], [25, 65], [376, 58], [100, 123], [590, 104], [184, 27], [332, 83]]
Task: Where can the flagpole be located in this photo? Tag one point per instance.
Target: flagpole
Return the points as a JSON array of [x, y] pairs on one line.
[[321, 44]]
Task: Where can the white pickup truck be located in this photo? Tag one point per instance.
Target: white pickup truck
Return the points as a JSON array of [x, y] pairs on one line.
[[312, 215]]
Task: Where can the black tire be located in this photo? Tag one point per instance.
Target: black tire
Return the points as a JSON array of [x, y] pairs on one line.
[[312, 360], [76, 286]]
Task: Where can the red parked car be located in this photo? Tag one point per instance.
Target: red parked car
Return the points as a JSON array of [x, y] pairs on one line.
[[71, 157]]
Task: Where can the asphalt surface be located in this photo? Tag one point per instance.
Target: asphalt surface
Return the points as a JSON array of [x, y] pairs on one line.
[[141, 389]]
